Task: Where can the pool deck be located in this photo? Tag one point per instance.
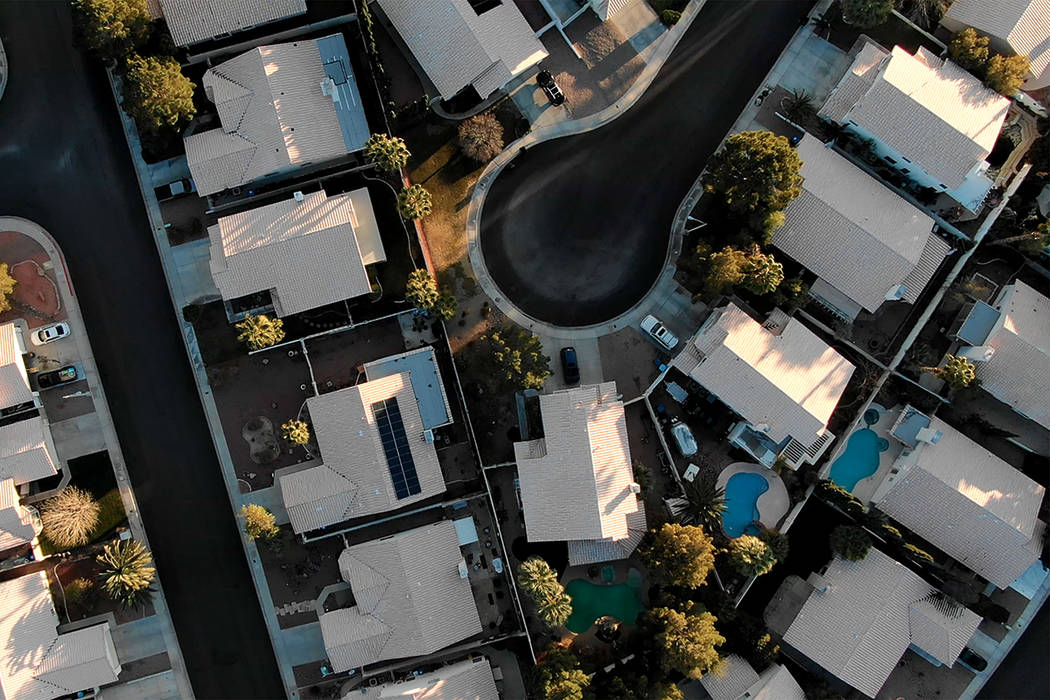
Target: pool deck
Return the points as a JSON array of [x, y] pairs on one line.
[[866, 488], [772, 505]]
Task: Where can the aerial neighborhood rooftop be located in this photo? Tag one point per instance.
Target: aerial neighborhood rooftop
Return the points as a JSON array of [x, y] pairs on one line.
[[563, 349]]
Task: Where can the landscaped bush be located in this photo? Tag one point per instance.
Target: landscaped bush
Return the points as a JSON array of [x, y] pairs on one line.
[[850, 542], [481, 137], [7, 288], [670, 17], [70, 517], [750, 556]]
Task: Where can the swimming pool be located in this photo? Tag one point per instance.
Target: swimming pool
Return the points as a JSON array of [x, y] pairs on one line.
[[742, 492], [860, 459], [591, 601]]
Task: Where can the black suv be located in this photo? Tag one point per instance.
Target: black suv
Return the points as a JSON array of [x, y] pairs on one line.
[[570, 366], [56, 377], [554, 93]]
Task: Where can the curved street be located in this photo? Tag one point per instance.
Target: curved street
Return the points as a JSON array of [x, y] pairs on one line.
[[65, 165], [577, 231]]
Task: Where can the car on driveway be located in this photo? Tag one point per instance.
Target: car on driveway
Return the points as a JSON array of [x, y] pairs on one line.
[[550, 88], [49, 334], [570, 365], [683, 438], [971, 660], [658, 332], [56, 377]]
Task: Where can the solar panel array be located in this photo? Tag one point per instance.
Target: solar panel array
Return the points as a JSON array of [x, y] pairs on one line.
[[395, 446]]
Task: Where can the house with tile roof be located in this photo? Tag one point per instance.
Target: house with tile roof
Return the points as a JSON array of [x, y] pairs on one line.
[[738, 680], [471, 679], [38, 663], [925, 116], [866, 244], [482, 44], [1020, 27], [577, 483], [860, 617], [377, 455], [194, 21], [412, 597], [963, 499], [1009, 343], [780, 377], [19, 525], [14, 380], [281, 107], [307, 251], [27, 451]]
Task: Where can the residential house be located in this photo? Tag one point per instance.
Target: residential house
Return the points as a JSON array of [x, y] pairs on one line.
[[867, 244], [15, 392], [376, 448], [777, 375], [39, 663], [1020, 27], [412, 597], [307, 251], [482, 44], [577, 483], [465, 679], [925, 116], [194, 21], [962, 499], [1010, 344], [19, 525], [281, 107], [860, 617], [737, 680]]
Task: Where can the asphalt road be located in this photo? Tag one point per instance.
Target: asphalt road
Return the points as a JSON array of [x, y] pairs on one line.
[[1024, 673], [65, 165], [577, 231]]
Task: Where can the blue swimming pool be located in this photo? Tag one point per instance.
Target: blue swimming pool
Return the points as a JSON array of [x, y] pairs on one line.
[[742, 492], [860, 460]]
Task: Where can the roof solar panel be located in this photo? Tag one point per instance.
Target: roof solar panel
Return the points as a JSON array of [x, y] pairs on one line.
[[396, 448]]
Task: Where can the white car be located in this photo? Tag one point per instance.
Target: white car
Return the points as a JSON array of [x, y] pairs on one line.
[[683, 438], [652, 325], [49, 334]]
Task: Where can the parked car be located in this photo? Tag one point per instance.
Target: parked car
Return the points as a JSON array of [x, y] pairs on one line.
[[49, 334], [174, 189], [56, 377], [569, 365], [683, 438], [972, 660], [652, 325], [550, 88]]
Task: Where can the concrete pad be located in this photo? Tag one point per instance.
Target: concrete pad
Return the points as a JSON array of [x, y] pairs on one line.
[[586, 353], [640, 24], [271, 499], [192, 264], [138, 639], [303, 644], [78, 436], [159, 687]]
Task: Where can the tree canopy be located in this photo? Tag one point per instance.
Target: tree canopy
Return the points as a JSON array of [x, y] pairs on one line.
[[389, 153], [421, 290], [686, 641], [259, 522], [680, 555], [539, 582], [957, 372], [751, 556], [516, 357], [850, 542], [1006, 74], [296, 432], [558, 675], [751, 269], [414, 202], [7, 287], [157, 94], [111, 29], [69, 517], [127, 572], [705, 502], [261, 331], [481, 137], [970, 50], [866, 13]]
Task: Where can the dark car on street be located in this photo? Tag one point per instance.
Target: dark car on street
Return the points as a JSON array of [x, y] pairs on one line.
[[57, 377], [570, 365], [550, 88]]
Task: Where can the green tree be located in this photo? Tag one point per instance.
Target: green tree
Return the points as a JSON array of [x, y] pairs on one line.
[[558, 675], [69, 517], [777, 542], [157, 94], [258, 332], [7, 287], [680, 555], [970, 50], [555, 610], [481, 137], [724, 270], [755, 173], [1030, 242], [1006, 74], [750, 556], [957, 372], [446, 306], [388, 153], [925, 13], [259, 522], [669, 17], [296, 432], [705, 502], [791, 294], [866, 13], [414, 202], [798, 106], [762, 273], [686, 641], [538, 579], [80, 591], [516, 357], [421, 290], [127, 572], [850, 542], [750, 269], [111, 29]]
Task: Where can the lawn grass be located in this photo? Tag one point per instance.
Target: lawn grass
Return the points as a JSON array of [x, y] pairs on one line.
[[110, 515]]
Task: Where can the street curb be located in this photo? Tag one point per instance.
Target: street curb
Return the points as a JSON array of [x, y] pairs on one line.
[[98, 395], [4, 69]]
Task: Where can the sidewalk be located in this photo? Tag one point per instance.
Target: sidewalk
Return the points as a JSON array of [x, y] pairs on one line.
[[179, 677]]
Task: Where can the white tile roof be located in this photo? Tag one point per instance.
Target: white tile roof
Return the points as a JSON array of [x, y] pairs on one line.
[[409, 599], [457, 47], [927, 109], [37, 663], [465, 680], [861, 626], [776, 683], [14, 384], [26, 451], [193, 21], [855, 82], [1023, 24], [16, 524], [856, 234], [273, 115], [1018, 374], [941, 627], [305, 253], [354, 479], [790, 382], [576, 480], [730, 680], [584, 552], [969, 503]]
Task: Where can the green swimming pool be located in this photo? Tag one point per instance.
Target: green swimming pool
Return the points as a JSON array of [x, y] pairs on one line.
[[591, 601]]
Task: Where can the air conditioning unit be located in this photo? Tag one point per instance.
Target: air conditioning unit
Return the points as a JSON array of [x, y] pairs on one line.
[[977, 353], [298, 196], [635, 488], [929, 435], [463, 571], [818, 582], [896, 293], [428, 435]]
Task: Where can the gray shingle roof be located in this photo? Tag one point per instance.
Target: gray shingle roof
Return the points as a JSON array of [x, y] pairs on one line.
[[410, 599], [16, 524], [26, 451], [193, 21], [854, 83], [730, 680], [584, 552], [466, 680], [1023, 24], [777, 683], [14, 384]]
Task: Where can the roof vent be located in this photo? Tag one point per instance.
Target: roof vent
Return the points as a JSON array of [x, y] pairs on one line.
[[929, 435], [818, 582], [298, 196], [463, 571], [428, 435], [896, 293], [635, 487]]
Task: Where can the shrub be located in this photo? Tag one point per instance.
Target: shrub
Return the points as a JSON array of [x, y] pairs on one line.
[[850, 542], [750, 556], [7, 288], [481, 137], [778, 543], [388, 153], [259, 522], [127, 572], [670, 17], [258, 332], [918, 554], [414, 202], [1006, 74], [111, 29], [296, 432], [157, 94], [680, 555], [69, 517], [866, 13]]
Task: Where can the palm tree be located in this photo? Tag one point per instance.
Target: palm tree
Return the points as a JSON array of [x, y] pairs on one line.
[[798, 105], [127, 572], [538, 579], [957, 372], [705, 503], [822, 25], [850, 542], [70, 517], [555, 610]]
